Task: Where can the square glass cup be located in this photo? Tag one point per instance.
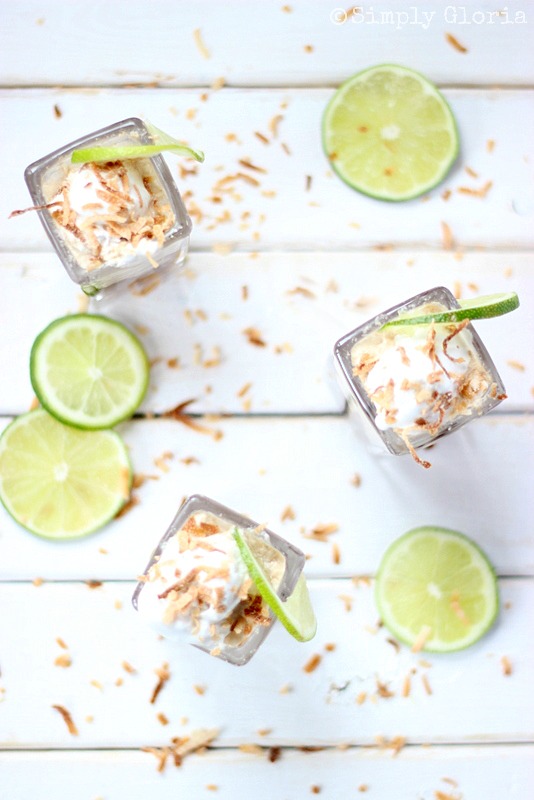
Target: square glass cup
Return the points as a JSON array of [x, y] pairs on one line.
[[294, 564], [44, 177], [359, 399]]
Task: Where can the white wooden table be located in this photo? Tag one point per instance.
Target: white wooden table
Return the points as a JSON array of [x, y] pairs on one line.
[[316, 259]]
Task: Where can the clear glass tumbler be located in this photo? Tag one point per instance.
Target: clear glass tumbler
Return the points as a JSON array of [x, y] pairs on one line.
[[462, 382], [237, 652], [45, 177]]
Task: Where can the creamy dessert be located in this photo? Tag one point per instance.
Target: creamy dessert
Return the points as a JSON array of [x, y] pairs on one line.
[[418, 382], [197, 589], [113, 220], [112, 211]]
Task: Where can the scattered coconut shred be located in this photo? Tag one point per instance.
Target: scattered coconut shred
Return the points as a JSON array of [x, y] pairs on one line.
[[197, 742]]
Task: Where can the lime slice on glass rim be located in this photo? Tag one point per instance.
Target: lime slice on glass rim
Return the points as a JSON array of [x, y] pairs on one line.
[[389, 133], [88, 371], [436, 590], [59, 482], [296, 613], [489, 305], [161, 142]]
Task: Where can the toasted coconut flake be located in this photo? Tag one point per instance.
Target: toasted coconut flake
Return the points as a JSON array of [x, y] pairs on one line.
[[92, 584], [61, 643], [312, 663], [422, 638], [199, 42], [361, 698], [287, 513], [71, 727], [516, 365], [482, 192], [162, 461], [63, 660], [396, 743], [321, 532], [254, 337], [336, 554], [347, 601], [490, 145], [162, 719], [179, 415], [287, 688], [199, 689], [302, 291], [131, 503], [383, 689], [164, 675], [446, 236], [506, 665], [127, 667], [453, 41], [274, 122], [274, 754], [426, 684]]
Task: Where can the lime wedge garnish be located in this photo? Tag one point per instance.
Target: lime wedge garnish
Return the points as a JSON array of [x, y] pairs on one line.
[[436, 590], [88, 371], [59, 482], [489, 305], [389, 133], [161, 142], [296, 613]]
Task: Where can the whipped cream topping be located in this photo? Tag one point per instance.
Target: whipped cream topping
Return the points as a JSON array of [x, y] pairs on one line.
[[111, 212], [421, 378], [199, 589]]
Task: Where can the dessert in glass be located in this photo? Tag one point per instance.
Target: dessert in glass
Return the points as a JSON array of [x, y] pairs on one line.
[[416, 383], [197, 590], [110, 221]]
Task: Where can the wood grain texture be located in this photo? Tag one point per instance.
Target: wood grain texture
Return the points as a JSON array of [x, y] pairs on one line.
[[492, 771], [471, 699], [194, 325], [276, 211], [265, 45], [478, 484]]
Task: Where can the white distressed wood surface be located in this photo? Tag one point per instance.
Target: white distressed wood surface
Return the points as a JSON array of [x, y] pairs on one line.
[[479, 484], [191, 314], [272, 455], [255, 45], [491, 772], [330, 215], [472, 699]]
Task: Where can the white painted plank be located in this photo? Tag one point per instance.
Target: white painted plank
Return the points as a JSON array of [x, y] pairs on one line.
[[252, 44], [479, 484], [491, 772], [293, 372], [330, 215], [472, 699]]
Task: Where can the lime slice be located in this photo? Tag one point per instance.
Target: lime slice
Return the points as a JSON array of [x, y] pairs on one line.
[[436, 590], [59, 482], [389, 133], [162, 142], [296, 613], [88, 371], [489, 305]]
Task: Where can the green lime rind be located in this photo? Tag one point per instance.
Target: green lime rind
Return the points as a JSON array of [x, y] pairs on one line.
[[344, 166], [59, 482], [485, 307], [162, 142], [89, 371], [408, 583], [296, 614]]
